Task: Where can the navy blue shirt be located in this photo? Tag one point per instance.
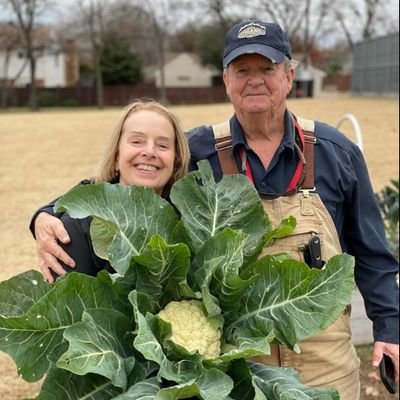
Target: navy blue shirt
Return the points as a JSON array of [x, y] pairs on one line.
[[342, 182]]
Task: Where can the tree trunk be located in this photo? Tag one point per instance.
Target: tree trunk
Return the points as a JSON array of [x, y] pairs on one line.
[[4, 96], [306, 44], [163, 91], [33, 92], [3, 83], [99, 82]]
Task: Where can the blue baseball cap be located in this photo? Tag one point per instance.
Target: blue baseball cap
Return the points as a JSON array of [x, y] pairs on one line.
[[256, 37]]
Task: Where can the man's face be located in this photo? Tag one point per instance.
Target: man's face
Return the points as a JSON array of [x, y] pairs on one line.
[[254, 84]]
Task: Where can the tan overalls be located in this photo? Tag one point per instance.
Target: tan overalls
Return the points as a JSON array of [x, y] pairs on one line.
[[327, 359]]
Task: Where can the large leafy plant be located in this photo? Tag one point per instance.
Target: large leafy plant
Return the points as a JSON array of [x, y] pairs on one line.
[[100, 337]]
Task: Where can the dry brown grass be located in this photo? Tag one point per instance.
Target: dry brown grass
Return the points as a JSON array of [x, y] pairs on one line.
[[44, 154]]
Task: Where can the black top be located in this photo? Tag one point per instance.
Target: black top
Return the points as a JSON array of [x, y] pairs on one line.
[[81, 249]]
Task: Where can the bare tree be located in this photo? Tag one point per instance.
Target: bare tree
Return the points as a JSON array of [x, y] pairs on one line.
[[26, 13], [365, 19], [86, 23], [10, 40], [219, 9], [206, 25], [317, 16], [162, 19], [282, 11], [306, 21], [91, 27], [133, 24], [146, 23]]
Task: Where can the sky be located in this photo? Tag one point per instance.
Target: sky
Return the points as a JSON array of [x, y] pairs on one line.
[[55, 14]]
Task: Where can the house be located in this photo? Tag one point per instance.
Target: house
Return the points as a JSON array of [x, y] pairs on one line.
[[307, 80], [339, 64], [184, 70], [57, 65]]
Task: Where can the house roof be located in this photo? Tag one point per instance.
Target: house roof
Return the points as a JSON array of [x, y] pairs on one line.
[[11, 36]]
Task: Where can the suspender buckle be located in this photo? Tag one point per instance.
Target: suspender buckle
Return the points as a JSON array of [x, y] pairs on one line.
[[306, 192], [310, 139], [222, 144]]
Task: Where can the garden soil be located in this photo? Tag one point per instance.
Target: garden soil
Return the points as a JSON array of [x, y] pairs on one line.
[[43, 154]]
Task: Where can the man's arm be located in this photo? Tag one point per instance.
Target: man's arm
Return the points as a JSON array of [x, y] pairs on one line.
[[376, 267], [48, 230]]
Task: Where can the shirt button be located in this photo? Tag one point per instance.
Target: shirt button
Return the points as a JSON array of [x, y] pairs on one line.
[[263, 184]]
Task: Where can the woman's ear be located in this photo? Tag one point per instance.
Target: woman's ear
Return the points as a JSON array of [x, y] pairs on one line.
[[177, 163], [116, 162], [116, 170]]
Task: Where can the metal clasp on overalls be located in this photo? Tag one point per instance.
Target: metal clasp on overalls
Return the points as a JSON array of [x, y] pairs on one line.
[[306, 192]]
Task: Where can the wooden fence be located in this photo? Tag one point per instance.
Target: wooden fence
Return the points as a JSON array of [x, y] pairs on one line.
[[118, 95]]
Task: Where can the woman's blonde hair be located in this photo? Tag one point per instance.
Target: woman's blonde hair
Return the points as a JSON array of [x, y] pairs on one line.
[[106, 170]]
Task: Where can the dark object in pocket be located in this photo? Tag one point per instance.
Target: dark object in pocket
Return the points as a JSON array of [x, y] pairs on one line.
[[312, 253]]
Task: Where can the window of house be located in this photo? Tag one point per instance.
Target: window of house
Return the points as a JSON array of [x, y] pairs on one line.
[[183, 78]]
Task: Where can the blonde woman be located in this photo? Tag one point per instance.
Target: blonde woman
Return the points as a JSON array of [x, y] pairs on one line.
[[147, 148]]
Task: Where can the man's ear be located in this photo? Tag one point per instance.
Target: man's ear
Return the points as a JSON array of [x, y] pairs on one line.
[[225, 76], [290, 79]]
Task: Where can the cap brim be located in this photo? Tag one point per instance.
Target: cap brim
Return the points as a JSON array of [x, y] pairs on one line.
[[271, 53]]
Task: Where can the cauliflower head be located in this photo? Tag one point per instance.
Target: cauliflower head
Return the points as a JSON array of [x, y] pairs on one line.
[[191, 329]]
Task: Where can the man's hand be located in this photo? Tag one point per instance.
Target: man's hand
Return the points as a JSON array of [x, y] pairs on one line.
[[48, 231], [390, 349]]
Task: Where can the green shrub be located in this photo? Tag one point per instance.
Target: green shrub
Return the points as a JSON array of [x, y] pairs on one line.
[[388, 201], [71, 102], [48, 99]]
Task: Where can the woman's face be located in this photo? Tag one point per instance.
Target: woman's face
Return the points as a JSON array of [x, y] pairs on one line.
[[146, 151]]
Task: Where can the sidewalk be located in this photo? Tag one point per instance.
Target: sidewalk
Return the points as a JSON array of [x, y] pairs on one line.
[[361, 326]]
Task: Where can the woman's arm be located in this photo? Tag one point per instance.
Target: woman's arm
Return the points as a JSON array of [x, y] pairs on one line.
[[79, 248]]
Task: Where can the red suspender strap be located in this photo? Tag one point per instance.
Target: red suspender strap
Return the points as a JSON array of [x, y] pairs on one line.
[[301, 164], [307, 126], [309, 142]]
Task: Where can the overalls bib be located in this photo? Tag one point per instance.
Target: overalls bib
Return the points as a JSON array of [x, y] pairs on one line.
[[329, 358]]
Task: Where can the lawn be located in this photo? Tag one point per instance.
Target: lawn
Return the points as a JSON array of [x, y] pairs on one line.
[[44, 154]]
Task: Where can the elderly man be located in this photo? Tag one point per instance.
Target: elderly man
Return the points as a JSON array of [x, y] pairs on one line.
[[332, 202], [301, 168]]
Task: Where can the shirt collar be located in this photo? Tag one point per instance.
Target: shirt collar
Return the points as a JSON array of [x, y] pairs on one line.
[[238, 137]]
